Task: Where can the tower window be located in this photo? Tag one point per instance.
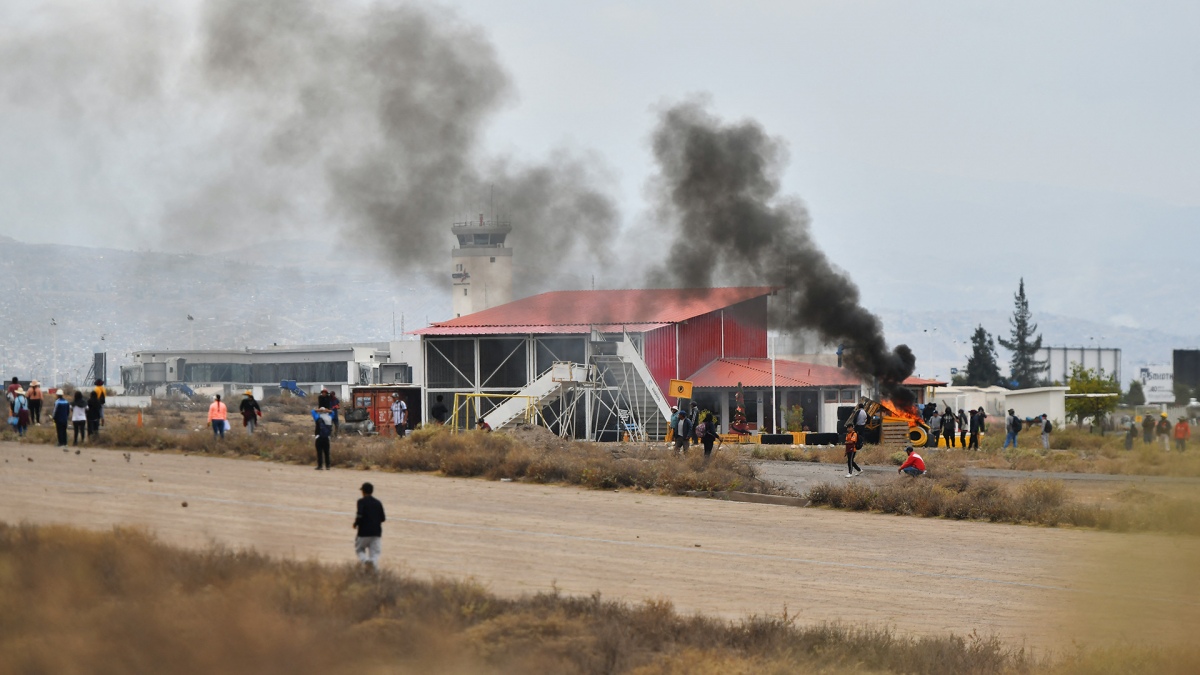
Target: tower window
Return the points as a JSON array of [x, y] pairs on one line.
[[458, 267], [493, 259], [464, 291]]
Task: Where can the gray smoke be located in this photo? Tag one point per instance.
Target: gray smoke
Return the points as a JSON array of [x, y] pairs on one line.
[[718, 189], [302, 119]]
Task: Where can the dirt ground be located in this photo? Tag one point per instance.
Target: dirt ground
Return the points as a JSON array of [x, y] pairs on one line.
[[1039, 587]]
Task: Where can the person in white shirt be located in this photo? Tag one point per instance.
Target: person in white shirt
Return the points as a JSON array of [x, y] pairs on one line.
[[399, 415]]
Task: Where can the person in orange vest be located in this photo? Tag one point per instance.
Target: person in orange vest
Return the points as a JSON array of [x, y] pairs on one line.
[[1183, 431], [914, 465], [217, 415], [852, 468]]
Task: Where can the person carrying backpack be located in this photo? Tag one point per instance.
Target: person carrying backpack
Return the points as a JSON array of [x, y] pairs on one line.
[[948, 422], [1047, 427], [1012, 427]]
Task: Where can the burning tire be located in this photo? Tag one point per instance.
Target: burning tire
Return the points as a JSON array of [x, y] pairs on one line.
[[918, 437]]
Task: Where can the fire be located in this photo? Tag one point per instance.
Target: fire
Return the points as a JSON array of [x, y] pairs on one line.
[[910, 415]]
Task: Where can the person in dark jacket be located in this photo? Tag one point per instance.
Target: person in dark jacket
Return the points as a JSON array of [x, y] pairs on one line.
[[438, 410], [1148, 429], [963, 424], [62, 417], [334, 406], [948, 422], [94, 411], [250, 411], [324, 427], [368, 521], [323, 399], [976, 422], [708, 431]]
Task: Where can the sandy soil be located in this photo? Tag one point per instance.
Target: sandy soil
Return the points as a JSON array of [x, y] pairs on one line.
[[1028, 585]]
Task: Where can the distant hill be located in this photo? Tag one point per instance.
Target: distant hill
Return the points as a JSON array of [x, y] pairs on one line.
[[123, 301], [297, 292]]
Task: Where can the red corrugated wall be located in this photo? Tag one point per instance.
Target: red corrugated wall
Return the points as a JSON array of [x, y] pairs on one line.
[[699, 342], [746, 329], [659, 353]]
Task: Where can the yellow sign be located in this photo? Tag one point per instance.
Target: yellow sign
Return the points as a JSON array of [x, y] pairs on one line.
[[680, 389]]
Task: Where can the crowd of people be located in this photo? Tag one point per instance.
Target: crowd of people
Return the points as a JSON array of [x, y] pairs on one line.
[[84, 414], [695, 426]]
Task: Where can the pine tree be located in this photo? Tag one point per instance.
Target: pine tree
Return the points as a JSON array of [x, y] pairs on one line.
[[982, 370], [1025, 366], [1136, 395]]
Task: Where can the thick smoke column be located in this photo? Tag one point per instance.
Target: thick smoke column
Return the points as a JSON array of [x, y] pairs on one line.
[[249, 121], [718, 189], [392, 100]]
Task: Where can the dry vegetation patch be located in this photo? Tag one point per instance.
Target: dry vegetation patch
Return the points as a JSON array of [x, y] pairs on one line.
[[1071, 450], [949, 493], [120, 602]]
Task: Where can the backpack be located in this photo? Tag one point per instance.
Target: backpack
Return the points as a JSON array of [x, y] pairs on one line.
[[1048, 427]]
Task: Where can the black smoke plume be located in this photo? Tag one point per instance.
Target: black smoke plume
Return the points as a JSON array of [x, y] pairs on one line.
[[719, 189], [257, 120]]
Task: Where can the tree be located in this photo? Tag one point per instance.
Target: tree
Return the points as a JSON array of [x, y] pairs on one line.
[[1025, 366], [1182, 393], [1089, 381], [1136, 395], [982, 370]]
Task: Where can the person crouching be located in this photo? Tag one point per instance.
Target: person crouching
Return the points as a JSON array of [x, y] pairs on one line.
[[324, 427], [914, 465]]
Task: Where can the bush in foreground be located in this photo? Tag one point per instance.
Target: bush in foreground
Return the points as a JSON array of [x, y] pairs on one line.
[[119, 602], [951, 494]]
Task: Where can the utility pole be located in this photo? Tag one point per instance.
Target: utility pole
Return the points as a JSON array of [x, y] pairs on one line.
[[54, 332]]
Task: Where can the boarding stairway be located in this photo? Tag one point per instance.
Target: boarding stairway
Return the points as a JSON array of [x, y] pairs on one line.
[[526, 405], [623, 394], [639, 406]]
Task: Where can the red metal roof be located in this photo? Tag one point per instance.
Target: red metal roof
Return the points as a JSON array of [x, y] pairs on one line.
[[638, 309], [535, 329], [726, 373]]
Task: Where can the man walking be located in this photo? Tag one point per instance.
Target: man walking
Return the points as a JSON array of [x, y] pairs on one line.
[[976, 421], [62, 417], [1047, 427], [250, 411], [369, 523], [963, 423], [1012, 426], [399, 414], [324, 427]]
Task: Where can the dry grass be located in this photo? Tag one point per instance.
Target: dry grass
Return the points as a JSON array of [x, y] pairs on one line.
[[530, 454], [1071, 450], [951, 494], [119, 602]]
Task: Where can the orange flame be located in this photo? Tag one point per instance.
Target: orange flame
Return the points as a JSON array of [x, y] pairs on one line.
[[911, 415]]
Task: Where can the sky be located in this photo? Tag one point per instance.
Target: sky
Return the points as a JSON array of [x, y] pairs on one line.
[[944, 149]]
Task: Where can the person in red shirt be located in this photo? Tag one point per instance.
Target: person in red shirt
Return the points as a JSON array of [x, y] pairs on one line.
[[914, 465], [1183, 431]]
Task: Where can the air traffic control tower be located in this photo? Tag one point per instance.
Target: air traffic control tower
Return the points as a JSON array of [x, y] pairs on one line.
[[482, 266]]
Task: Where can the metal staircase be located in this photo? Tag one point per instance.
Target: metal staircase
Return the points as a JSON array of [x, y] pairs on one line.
[[637, 404], [527, 404]]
